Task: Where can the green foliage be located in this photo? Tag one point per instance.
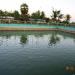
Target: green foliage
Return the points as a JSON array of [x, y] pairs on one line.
[[67, 18], [16, 14], [42, 16], [56, 15], [38, 15], [1, 13], [6, 13], [24, 9], [24, 12]]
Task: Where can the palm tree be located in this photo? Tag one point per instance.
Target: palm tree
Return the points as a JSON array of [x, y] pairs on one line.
[[56, 15], [67, 18], [59, 15], [24, 9]]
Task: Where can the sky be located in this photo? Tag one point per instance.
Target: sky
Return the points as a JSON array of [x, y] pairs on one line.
[[66, 6]]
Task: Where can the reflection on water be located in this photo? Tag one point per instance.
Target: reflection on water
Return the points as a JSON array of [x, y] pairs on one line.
[[37, 53], [70, 69], [23, 39], [54, 39]]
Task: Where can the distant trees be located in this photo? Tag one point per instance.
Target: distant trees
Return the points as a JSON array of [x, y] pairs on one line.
[[56, 15], [42, 16], [16, 14], [5, 13], [1, 13], [38, 15]]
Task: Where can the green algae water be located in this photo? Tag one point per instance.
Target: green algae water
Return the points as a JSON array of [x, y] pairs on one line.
[[37, 53]]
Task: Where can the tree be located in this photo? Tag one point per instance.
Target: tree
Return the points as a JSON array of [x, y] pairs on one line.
[[56, 15], [24, 9], [11, 14], [24, 12], [42, 15], [16, 14], [38, 15], [67, 18], [59, 15], [1, 13], [5, 13]]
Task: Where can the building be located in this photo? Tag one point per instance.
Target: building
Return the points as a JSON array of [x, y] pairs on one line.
[[6, 19]]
